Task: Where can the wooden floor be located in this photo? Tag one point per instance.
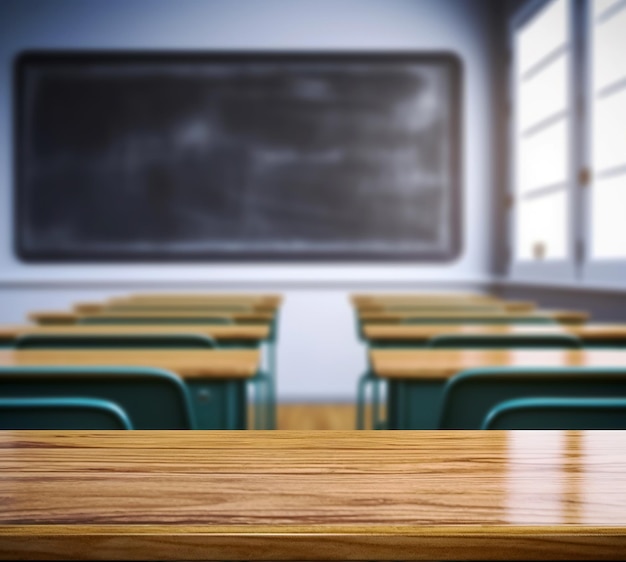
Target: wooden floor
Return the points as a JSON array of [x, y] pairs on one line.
[[316, 416]]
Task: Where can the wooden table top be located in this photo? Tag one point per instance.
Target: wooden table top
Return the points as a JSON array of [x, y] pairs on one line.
[[424, 332], [188, 363], [68, 317], [445, 363], [211, 495], [402, 315], [221, 332]]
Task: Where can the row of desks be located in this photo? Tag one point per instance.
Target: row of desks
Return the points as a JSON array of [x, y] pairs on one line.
[[220, 374], [416, 378]]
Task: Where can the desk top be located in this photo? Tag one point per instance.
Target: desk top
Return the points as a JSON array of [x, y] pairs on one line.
[[221, 298], [207, 308], [286, 495], [424, 332], [412, 298], [574, 316], [188, 363], [251, 332], [68, 317], [445, 363], [428, 306]]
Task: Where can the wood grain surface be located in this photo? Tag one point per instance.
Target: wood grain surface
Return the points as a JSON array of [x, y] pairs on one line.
[[424, 332], [313, 495], [252, 332], [445, 363], [188, 363]]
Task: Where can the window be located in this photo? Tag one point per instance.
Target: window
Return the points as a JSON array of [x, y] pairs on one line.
[[568, 94]]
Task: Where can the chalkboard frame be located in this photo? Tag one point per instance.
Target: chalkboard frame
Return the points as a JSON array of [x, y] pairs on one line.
[[449, 59]]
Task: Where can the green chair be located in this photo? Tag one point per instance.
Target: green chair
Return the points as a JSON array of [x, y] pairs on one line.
[[61, 413], [152, 398], [505, 341], [471, 395], [558, 413]]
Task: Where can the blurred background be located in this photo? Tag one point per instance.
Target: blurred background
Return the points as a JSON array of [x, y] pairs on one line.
[[533, 174]]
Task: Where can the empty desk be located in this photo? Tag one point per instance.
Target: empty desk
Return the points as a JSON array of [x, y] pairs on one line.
[[459, 317], [420, 334], [225, 335], [216, 378], [148, 316], [416, 378]]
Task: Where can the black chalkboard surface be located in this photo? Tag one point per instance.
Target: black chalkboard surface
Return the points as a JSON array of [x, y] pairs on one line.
[[237, 156]]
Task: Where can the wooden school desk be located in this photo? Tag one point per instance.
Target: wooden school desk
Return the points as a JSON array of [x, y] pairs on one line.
[[398, 298], [160, 495], [401, 316], [224, 334], [216, 378], [68, 317], [214, 298], [98, 307], [420, 334], [507, 306], [418, 377]]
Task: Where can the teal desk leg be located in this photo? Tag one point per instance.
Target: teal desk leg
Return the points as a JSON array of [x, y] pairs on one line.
[[219, 404], [261, 383], [413, 404]]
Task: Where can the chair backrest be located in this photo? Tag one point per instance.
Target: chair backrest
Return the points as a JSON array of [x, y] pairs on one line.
[[498, 319], [154, 319], [558, 413], [115, 341], [152, 398], [469, 396], [61, 413], [498, 341]]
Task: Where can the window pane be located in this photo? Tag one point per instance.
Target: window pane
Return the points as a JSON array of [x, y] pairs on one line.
[[609, 131], [542, 227], [609, 50], [608, 240], [600, 6], [543, 157], [543, 35], [543, 95]]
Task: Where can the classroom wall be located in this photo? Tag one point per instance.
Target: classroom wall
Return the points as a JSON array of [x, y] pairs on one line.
[[319, 356]]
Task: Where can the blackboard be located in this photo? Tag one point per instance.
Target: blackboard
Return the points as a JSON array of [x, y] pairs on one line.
[[237, 156]]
